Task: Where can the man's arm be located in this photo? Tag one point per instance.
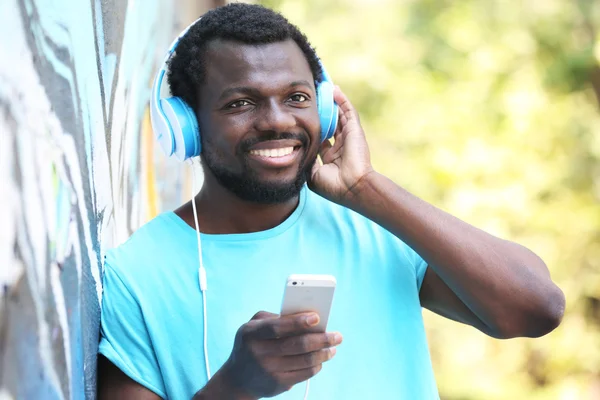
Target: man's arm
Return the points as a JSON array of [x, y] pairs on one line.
[[113, 384], [500, 287], [495, 285]]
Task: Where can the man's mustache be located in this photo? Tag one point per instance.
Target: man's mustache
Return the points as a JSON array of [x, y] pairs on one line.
[[245, 145]]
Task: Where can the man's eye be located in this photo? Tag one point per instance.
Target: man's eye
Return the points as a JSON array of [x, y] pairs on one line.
[[239, 103], [300, 98]]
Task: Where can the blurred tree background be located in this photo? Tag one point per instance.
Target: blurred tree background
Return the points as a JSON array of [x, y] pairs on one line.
[[491, 111]]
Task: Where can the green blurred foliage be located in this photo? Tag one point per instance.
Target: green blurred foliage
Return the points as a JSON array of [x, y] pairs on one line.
[[489, 110]]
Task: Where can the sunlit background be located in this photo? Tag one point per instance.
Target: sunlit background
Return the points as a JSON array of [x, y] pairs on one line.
[[489, 110]]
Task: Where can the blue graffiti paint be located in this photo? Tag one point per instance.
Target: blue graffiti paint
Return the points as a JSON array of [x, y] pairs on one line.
[[72, 103]]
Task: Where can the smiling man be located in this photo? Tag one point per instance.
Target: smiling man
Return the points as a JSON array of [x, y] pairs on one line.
[[251, 78]]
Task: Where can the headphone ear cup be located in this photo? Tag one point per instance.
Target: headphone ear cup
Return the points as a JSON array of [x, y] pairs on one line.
[[328, 110], [184, 127]]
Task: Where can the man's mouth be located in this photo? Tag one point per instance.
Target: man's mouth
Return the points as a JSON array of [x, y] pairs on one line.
[[275, 153]]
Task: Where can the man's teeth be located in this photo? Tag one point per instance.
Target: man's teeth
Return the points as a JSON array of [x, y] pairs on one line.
[[273, 152]]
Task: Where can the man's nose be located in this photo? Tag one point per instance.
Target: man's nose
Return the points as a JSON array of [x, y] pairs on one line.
[[275, 116]]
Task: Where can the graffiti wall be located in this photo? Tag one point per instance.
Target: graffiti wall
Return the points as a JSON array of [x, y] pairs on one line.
[[78, 173]]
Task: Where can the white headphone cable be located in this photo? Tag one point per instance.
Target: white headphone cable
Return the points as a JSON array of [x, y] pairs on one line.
[[204, 284], [201, 272]]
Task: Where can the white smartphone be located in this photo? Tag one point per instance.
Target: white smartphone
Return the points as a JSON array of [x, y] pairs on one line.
[[309, 293]]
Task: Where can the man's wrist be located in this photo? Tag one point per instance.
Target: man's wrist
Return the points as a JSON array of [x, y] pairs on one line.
[[363, 190], [220, 387]]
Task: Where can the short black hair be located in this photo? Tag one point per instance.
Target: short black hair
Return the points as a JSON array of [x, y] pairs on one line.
[[244, 23]]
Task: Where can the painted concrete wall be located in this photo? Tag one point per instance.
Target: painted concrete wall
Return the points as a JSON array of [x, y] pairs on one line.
[[78, 172]]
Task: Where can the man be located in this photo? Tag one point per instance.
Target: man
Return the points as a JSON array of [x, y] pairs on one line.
[[250, 77]]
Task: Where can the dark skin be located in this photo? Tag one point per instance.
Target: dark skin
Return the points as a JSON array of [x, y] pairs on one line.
[[494, 285], [265, 96]]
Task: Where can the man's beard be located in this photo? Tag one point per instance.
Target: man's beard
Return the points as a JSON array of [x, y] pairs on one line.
[[247, 185]]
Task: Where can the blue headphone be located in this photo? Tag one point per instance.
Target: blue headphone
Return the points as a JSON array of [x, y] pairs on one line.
[[176, 127]]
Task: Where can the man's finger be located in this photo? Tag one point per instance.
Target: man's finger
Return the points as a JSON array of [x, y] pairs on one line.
[[342, 120], [302, 361], [264, 315], [346, 108], [324, 149], [294, 377], [313, 171], [274, 328], [302, 344]]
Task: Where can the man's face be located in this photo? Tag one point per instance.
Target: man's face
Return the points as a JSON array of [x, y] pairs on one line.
[[258, 119]]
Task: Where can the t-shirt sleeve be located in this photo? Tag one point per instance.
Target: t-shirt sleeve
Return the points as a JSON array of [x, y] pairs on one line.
[[420, 269], [418, 264], [124, 338]]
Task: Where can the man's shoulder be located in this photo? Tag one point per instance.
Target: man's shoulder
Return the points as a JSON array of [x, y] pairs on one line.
[[343, 223], [336, 226], [326, 210], [152, 241]]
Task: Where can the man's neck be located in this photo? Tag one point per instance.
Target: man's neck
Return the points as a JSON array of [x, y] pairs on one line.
[[222, 212]]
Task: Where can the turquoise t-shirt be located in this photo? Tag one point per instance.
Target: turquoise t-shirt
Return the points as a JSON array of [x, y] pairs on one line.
[[152, 323]]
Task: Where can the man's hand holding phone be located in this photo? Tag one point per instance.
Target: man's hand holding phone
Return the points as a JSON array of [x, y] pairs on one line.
[[272, 353]]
